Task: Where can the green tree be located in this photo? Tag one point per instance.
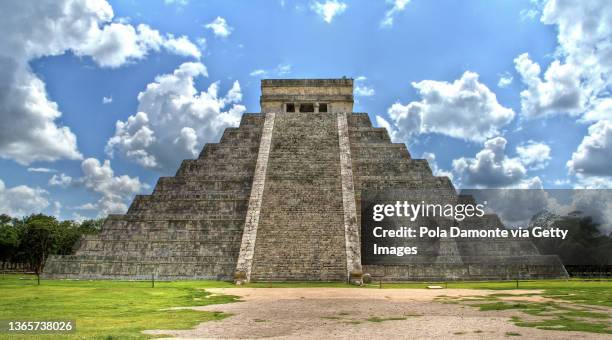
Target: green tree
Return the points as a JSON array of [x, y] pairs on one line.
[[39, 241], [10, 238]]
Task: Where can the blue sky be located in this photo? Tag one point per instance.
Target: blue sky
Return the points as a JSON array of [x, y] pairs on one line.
[[459, 49]]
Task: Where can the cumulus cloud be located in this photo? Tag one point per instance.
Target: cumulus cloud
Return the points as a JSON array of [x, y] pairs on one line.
[[258, 73], [490, 168], [35, 29], [397, 6], [61, 180], [394, 134], [431, 159], [464, 109], [361, 89], [99, 178], [174, 120], [114, 190], [601, 110], [329, 9], [280, 70], [560, 91], [107, 100], [220, 27], [577, 82], [585, 37], [594, 154], [505, 80], [534, 155], [41, 170], [582, 68], [22, 200], [179, 3]]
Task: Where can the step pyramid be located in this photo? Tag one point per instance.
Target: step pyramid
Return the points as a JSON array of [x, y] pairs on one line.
[[277, 199]]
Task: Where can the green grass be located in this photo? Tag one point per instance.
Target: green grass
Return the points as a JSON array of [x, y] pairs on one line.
[[563, 323], [108, 309], [122, 309], [584, 313]]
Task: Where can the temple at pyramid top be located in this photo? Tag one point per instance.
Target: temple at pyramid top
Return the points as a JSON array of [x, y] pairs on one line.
[[307, 95]]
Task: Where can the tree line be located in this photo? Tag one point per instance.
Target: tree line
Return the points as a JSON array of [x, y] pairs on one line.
[[30, 240]]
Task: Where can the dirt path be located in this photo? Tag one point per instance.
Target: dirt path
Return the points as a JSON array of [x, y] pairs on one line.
[[321, 313]]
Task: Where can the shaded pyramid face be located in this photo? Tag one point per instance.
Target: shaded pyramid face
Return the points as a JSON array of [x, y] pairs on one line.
[[277, 199]]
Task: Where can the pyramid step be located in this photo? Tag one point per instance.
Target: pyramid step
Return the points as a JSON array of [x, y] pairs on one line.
[[174, 184]]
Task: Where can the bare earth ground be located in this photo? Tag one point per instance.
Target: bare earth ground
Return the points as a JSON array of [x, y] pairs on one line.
[[321, 313]]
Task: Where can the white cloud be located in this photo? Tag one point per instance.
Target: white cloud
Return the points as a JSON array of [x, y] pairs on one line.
[[529, 14], [283, 69], [398, 6], [464, 109], [182, 46], [220, 27], [280, 70], [188, 140], [258, 73], [41, 170], [594, 154], [592, 182], [329, 9], [533, 11], [361, 89], [505, 80], [22, 200], [107, 100], [392, 130], [174, 121], [561, 182], [201, 41], [61, 180], [584, 36], [559, 92], [582, 69], [601, 110], [491, 168], [114, 190], [78, 217], [534, 155], [179, 3], [36, 29], [431, 159]]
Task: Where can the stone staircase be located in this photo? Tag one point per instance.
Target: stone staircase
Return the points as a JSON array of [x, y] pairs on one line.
[[301, 230]]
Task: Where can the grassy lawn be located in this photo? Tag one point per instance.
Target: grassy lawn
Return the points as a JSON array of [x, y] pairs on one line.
[[107, 309], [122, 309]]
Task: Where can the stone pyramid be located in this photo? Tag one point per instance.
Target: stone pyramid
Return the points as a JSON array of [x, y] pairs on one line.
[[277, 199]]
